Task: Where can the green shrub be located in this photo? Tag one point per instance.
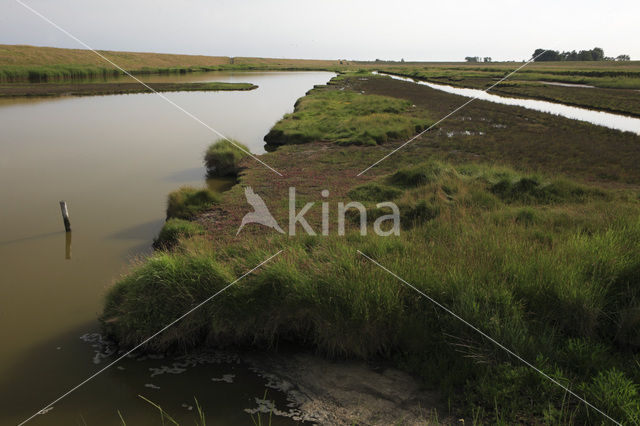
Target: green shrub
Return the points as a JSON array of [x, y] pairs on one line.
[[187, 202], [174, 229], [223, 157]]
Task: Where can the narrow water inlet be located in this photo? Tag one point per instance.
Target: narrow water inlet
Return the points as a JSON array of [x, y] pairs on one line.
[[599, 118]]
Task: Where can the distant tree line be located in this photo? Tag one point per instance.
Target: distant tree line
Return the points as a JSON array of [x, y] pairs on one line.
[[595, 54], [477, 59]]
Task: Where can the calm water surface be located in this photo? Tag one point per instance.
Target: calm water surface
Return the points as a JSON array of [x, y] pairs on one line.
[[113, 159]]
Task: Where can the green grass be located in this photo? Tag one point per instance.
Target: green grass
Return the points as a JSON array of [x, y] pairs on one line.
[[223, 157], [555, 282], [187, 202], [374, 191], [544, 263], [174, 229], [346, 117]]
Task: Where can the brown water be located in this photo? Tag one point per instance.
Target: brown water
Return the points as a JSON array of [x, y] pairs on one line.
[[113, 159]]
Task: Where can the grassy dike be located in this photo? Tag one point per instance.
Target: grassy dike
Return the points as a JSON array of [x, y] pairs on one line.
[[49, 64], [537, 249]]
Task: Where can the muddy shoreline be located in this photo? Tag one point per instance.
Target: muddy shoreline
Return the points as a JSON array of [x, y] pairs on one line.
[[349, 392]]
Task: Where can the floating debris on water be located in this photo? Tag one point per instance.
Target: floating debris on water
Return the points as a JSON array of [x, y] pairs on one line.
[[228, 378], [194, 360], [103, 348]]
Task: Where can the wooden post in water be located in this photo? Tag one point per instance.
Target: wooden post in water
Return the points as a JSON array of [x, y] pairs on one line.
[[65, 216], [67, 246]]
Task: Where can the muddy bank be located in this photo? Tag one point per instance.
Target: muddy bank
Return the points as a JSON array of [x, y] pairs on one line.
[[350, 392], [92, 89]]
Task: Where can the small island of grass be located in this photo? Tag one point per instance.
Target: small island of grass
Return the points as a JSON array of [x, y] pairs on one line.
[[114, 88]]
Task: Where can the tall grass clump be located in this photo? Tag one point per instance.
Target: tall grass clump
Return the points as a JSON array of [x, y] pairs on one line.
[[187, 202], [223, 157]]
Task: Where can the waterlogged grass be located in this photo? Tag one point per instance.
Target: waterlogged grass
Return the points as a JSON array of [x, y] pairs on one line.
[[187, 202], [553, 278], [346, 117], [223, 157]]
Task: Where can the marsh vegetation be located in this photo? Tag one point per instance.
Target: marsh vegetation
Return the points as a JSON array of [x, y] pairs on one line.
[[541, 255]]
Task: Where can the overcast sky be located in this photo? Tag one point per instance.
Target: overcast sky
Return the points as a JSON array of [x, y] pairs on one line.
[[390, 29]]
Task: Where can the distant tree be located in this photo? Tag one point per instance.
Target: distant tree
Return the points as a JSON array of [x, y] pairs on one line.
[[401, 59], [570, 56], [623, 58], [585, 55], [472, 59], [597, 54], [549, 55], [487, 59]]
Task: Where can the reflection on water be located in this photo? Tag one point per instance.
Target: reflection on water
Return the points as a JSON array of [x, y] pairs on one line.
[[67, 246], [600, 118], [114, 159]]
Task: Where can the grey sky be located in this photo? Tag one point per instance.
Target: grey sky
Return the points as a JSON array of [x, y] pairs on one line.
[[414, 30]]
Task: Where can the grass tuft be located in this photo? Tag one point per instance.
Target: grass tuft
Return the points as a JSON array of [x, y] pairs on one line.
[[174, 229], [374, 191], [187, 202], [223, 158]]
